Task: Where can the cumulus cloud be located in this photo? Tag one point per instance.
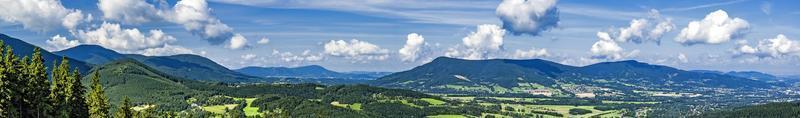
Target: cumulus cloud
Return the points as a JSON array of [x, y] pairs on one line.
[[248, 56], [528, 16], [263, 41], [717, 27], [527, 54], [59, 42], [607, 48], [415, 48], [776, 47], [194, 15], [40, 15], [355, 49], [645, 29], [238, 42], [306, 56], [112, 36], [166, 50], [480, 44], [129, 11]]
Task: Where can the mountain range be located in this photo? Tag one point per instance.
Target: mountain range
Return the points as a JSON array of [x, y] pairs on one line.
[[23, 49], [451, 75], [312, 71]]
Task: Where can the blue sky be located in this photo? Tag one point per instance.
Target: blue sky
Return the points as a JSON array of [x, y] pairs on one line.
[[368, 35]]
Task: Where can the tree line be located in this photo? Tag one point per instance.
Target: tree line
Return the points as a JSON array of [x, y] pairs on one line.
[[27, 91]]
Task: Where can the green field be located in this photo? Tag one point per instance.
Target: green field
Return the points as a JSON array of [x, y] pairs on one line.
[[354, 106], [447, 116], [433, 101], [250, 110]]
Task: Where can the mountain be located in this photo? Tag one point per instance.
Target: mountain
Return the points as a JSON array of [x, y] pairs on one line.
[[91, 54], [185, 65], [519, 76], [23, 48], [193, 67], [130, 78], [445, 74], [312, 71]]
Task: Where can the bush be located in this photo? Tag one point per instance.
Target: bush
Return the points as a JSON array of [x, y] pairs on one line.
[[578, 111]]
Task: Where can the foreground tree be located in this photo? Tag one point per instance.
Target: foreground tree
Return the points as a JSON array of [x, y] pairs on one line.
[[97, 101], [125, 109], [76, 100], [59, 91], [36, 88]]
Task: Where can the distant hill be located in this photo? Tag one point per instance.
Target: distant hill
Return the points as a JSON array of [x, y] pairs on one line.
[[312, 71], [759, 76], [91, 54], [141, 83], [193, 67], [23, 49], [518, 76], [185, 65]]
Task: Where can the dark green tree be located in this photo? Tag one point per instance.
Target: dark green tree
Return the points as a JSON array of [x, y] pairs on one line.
[[36, 88], [97, 100], [59, 91], [124, 110], [7, 92], [76, 100]]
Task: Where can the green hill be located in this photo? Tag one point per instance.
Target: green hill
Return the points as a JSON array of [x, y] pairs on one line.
[[142, 84], [22, 49]]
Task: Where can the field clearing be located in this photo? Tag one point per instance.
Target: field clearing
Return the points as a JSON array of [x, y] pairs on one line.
[[433, 101], [249, 110], [447, 116], [561, 109], [627, 102], [354, 106]]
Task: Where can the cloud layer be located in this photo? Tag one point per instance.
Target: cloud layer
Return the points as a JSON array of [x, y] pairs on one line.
[[717, 27], [40, 15], [356, 50], [528, 16]]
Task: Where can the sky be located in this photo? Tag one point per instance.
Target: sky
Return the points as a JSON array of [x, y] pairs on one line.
[[397, 35]]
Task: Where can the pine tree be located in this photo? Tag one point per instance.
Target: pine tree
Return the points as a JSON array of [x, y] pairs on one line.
[[12, 78], [97, 101], [59, 91], [7, 109], [76, 100], [124, 110], [36, 89]]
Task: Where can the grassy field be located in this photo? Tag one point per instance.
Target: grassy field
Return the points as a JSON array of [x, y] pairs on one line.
[[447, 116], [354, 106], [250, 110], [433, 101]]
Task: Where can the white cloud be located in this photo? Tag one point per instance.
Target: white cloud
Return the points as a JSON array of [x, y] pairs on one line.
[[39, 15], [776, 47], [248, 56], [112, 36], [166, 50], [306, 56], [533, 52], [238, 42], [129, 11], [682, 57], [263, 40], [642, 30], [606, 47], [194, 15], [60, 43], [715, 28], [355, 49], [528, 16], [415, 48], [480, 44]]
